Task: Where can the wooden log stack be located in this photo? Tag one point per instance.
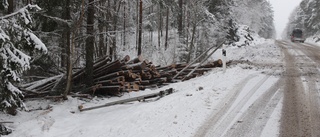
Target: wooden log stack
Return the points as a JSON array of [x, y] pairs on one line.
[[125, 75]]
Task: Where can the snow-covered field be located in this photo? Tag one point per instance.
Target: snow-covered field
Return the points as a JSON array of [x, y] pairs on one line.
[[179, 114]]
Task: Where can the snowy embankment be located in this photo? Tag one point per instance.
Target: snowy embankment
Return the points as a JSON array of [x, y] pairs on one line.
[[178, 114], [314, 40]]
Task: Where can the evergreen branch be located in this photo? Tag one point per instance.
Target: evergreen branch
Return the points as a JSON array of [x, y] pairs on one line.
[[57, 19], [20, 11]]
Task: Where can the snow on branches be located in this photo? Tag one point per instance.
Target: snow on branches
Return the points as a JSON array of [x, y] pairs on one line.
[[16, 38]]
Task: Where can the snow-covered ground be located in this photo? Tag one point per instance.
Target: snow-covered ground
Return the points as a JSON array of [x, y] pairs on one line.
[[314, 40], [179, 114]]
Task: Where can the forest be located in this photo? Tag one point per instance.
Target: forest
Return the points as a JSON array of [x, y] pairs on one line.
[[46, 38], [306, 17]]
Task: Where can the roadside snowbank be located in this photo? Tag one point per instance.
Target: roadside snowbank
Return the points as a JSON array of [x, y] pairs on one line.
[[314, 40]]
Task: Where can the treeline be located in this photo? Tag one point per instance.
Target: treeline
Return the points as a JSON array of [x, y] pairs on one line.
[[306, 17]]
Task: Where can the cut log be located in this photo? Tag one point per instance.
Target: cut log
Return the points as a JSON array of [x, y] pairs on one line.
[[145, 82], [96, 65], [90, 90], [136, 66], [135, 60], [113, 80], [142, 87], [146, 75], [135, 87], [213, 64], [34, 92], [102, 59], [3, 122], [46, 87], [108, 76], [114, 88], [108, 68], [151, 86], [157, 80], [160, 94], [125, 59], [165, 68], [110, 83]]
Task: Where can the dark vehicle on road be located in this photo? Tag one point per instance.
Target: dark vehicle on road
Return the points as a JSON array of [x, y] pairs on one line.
[[297, 35]]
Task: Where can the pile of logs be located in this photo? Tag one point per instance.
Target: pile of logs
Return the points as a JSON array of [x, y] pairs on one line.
[[125, 75]]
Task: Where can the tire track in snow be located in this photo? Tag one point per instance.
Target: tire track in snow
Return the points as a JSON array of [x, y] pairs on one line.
[[311, 78], [223, 107], [253, 121], [222, 122]]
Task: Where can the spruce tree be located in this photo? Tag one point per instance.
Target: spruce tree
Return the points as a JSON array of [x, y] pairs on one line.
[[16, 40]]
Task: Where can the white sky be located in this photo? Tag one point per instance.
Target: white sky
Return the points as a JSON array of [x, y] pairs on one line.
[[282, 10]]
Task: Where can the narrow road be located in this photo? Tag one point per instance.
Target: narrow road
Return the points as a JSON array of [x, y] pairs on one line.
[[301, 110], [295, 92]]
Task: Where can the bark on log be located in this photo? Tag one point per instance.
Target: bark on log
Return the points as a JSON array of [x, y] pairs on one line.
[[108, 76], [45, 86], [90, 90], [96, 65], [213, 64], [113, 80], [160, 94], [135, 60], [108, 66], [126, 59], [136, 66]]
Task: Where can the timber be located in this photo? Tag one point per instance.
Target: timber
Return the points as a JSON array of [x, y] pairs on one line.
[[4, 122], [139, 98], [122, 75]]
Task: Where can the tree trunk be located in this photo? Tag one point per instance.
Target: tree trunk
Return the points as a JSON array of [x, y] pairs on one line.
[[140, 29], [151, 31], [69, 49], [191, 47], [90, 44], [101, 25], [180, 27], [124, 26], [159, 28], [167, 29], [11, 6], [137, 28], [101, 39], [29, 1], [187, 33], [116, 9], [107, 42]]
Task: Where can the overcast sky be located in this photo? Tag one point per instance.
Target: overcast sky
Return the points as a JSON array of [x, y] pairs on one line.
[[282, 10]]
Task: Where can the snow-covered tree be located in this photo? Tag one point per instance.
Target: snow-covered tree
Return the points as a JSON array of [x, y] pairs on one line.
[[257, 14], [295, 21], [16, 40], [306, 17]]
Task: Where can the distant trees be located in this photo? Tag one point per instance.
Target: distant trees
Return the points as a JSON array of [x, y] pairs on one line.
[[195, 23], [257, 14], [307, 17]]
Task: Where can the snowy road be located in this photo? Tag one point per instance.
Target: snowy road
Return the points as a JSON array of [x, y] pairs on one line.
[[295, 94], [301, 113]]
